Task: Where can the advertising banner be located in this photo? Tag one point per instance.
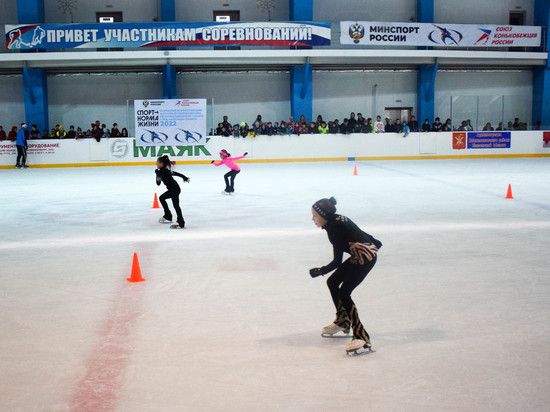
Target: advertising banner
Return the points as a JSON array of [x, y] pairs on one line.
[[105, 35], [170, 122], [369, 33], [489, 140]]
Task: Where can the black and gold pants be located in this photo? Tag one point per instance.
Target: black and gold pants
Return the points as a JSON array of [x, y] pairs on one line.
[[341, 284]]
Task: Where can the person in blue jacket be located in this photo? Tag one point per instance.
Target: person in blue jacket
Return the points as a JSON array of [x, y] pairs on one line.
[[21, 144]]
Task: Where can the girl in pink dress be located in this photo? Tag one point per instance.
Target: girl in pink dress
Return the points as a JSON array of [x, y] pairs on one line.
[[229, 177]]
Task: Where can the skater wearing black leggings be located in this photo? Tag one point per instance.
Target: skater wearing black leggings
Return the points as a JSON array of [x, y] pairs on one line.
[[165, 175], [229, 177], [345, 236]]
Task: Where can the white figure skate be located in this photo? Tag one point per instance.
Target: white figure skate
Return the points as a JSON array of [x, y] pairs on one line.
[[333, 331], [358, 347]]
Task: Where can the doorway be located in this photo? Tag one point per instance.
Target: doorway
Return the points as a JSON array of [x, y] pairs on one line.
[[109, 17], [401, 113], [225, 16], [516, 18]]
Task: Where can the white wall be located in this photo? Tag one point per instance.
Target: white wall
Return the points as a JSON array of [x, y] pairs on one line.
[[81, 99], [516, 87], [132, 10], [12, 108], [486, 11], [240, 96], [147, 10], [336, 94], [370, 10], [202, 11], [445, 11]]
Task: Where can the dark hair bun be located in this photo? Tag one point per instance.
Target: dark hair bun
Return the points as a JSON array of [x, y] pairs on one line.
[[332, 200]]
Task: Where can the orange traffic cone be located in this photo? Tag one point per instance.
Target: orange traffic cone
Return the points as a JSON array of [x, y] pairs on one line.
[[355, 171], [156, 203], [509, 193], [136, 271]]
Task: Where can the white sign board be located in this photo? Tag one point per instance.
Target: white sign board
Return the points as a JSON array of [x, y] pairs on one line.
[[174, 122], [370, 33]]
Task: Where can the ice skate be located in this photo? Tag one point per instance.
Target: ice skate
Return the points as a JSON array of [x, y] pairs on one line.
[[18, 166], [358, 347], [164, 220], [25, 166], [177, 226], [332, 331]]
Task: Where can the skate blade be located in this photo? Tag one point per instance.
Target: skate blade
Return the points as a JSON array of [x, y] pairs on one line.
[[177, 227], [360, 352], [337, 335]]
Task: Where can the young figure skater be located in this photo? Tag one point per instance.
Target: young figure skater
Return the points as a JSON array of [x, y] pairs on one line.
[[165, 175], [229, 177], [345, 236]]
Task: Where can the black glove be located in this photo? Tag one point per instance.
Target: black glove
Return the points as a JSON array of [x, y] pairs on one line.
[[211, 162], [157, 171], [186, 179], [315, 272], [245, 153]]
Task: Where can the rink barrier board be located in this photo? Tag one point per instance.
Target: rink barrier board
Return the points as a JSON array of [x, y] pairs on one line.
[[303, 160], [271, 149]]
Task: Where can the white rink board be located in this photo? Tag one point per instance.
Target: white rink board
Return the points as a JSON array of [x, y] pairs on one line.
[[117, 151]]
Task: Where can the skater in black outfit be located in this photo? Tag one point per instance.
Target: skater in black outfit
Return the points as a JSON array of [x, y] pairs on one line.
[[345, 236], [165, 175]]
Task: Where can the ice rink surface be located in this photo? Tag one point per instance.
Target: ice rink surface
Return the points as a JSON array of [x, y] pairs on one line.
[[228, 319]]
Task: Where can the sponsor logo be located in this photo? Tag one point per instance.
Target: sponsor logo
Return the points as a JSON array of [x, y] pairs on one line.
[[150, 136], [145, 103], [188, 136], [484, 38], [442, 35], [356, 32], [16, 42], [120, 148]]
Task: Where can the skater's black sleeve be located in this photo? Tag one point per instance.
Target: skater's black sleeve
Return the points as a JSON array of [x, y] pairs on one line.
[[159, 177], [185, 178], [336, 238]]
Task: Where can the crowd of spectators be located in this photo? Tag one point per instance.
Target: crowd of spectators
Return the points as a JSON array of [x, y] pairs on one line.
[[351, 124], [96, 131]]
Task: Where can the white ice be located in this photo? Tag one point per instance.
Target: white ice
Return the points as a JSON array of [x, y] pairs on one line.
[[228, 319]]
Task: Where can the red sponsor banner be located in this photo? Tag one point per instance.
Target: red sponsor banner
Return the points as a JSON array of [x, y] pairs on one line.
[[459, 141], [546, 139]]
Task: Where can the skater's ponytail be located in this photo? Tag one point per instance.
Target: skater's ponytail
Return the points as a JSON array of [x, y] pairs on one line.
[[165, 160], [225, 153], [325, 207]]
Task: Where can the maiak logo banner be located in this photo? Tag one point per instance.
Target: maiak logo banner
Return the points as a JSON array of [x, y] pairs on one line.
[[369, 33], [105, 35], [173, 122]]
